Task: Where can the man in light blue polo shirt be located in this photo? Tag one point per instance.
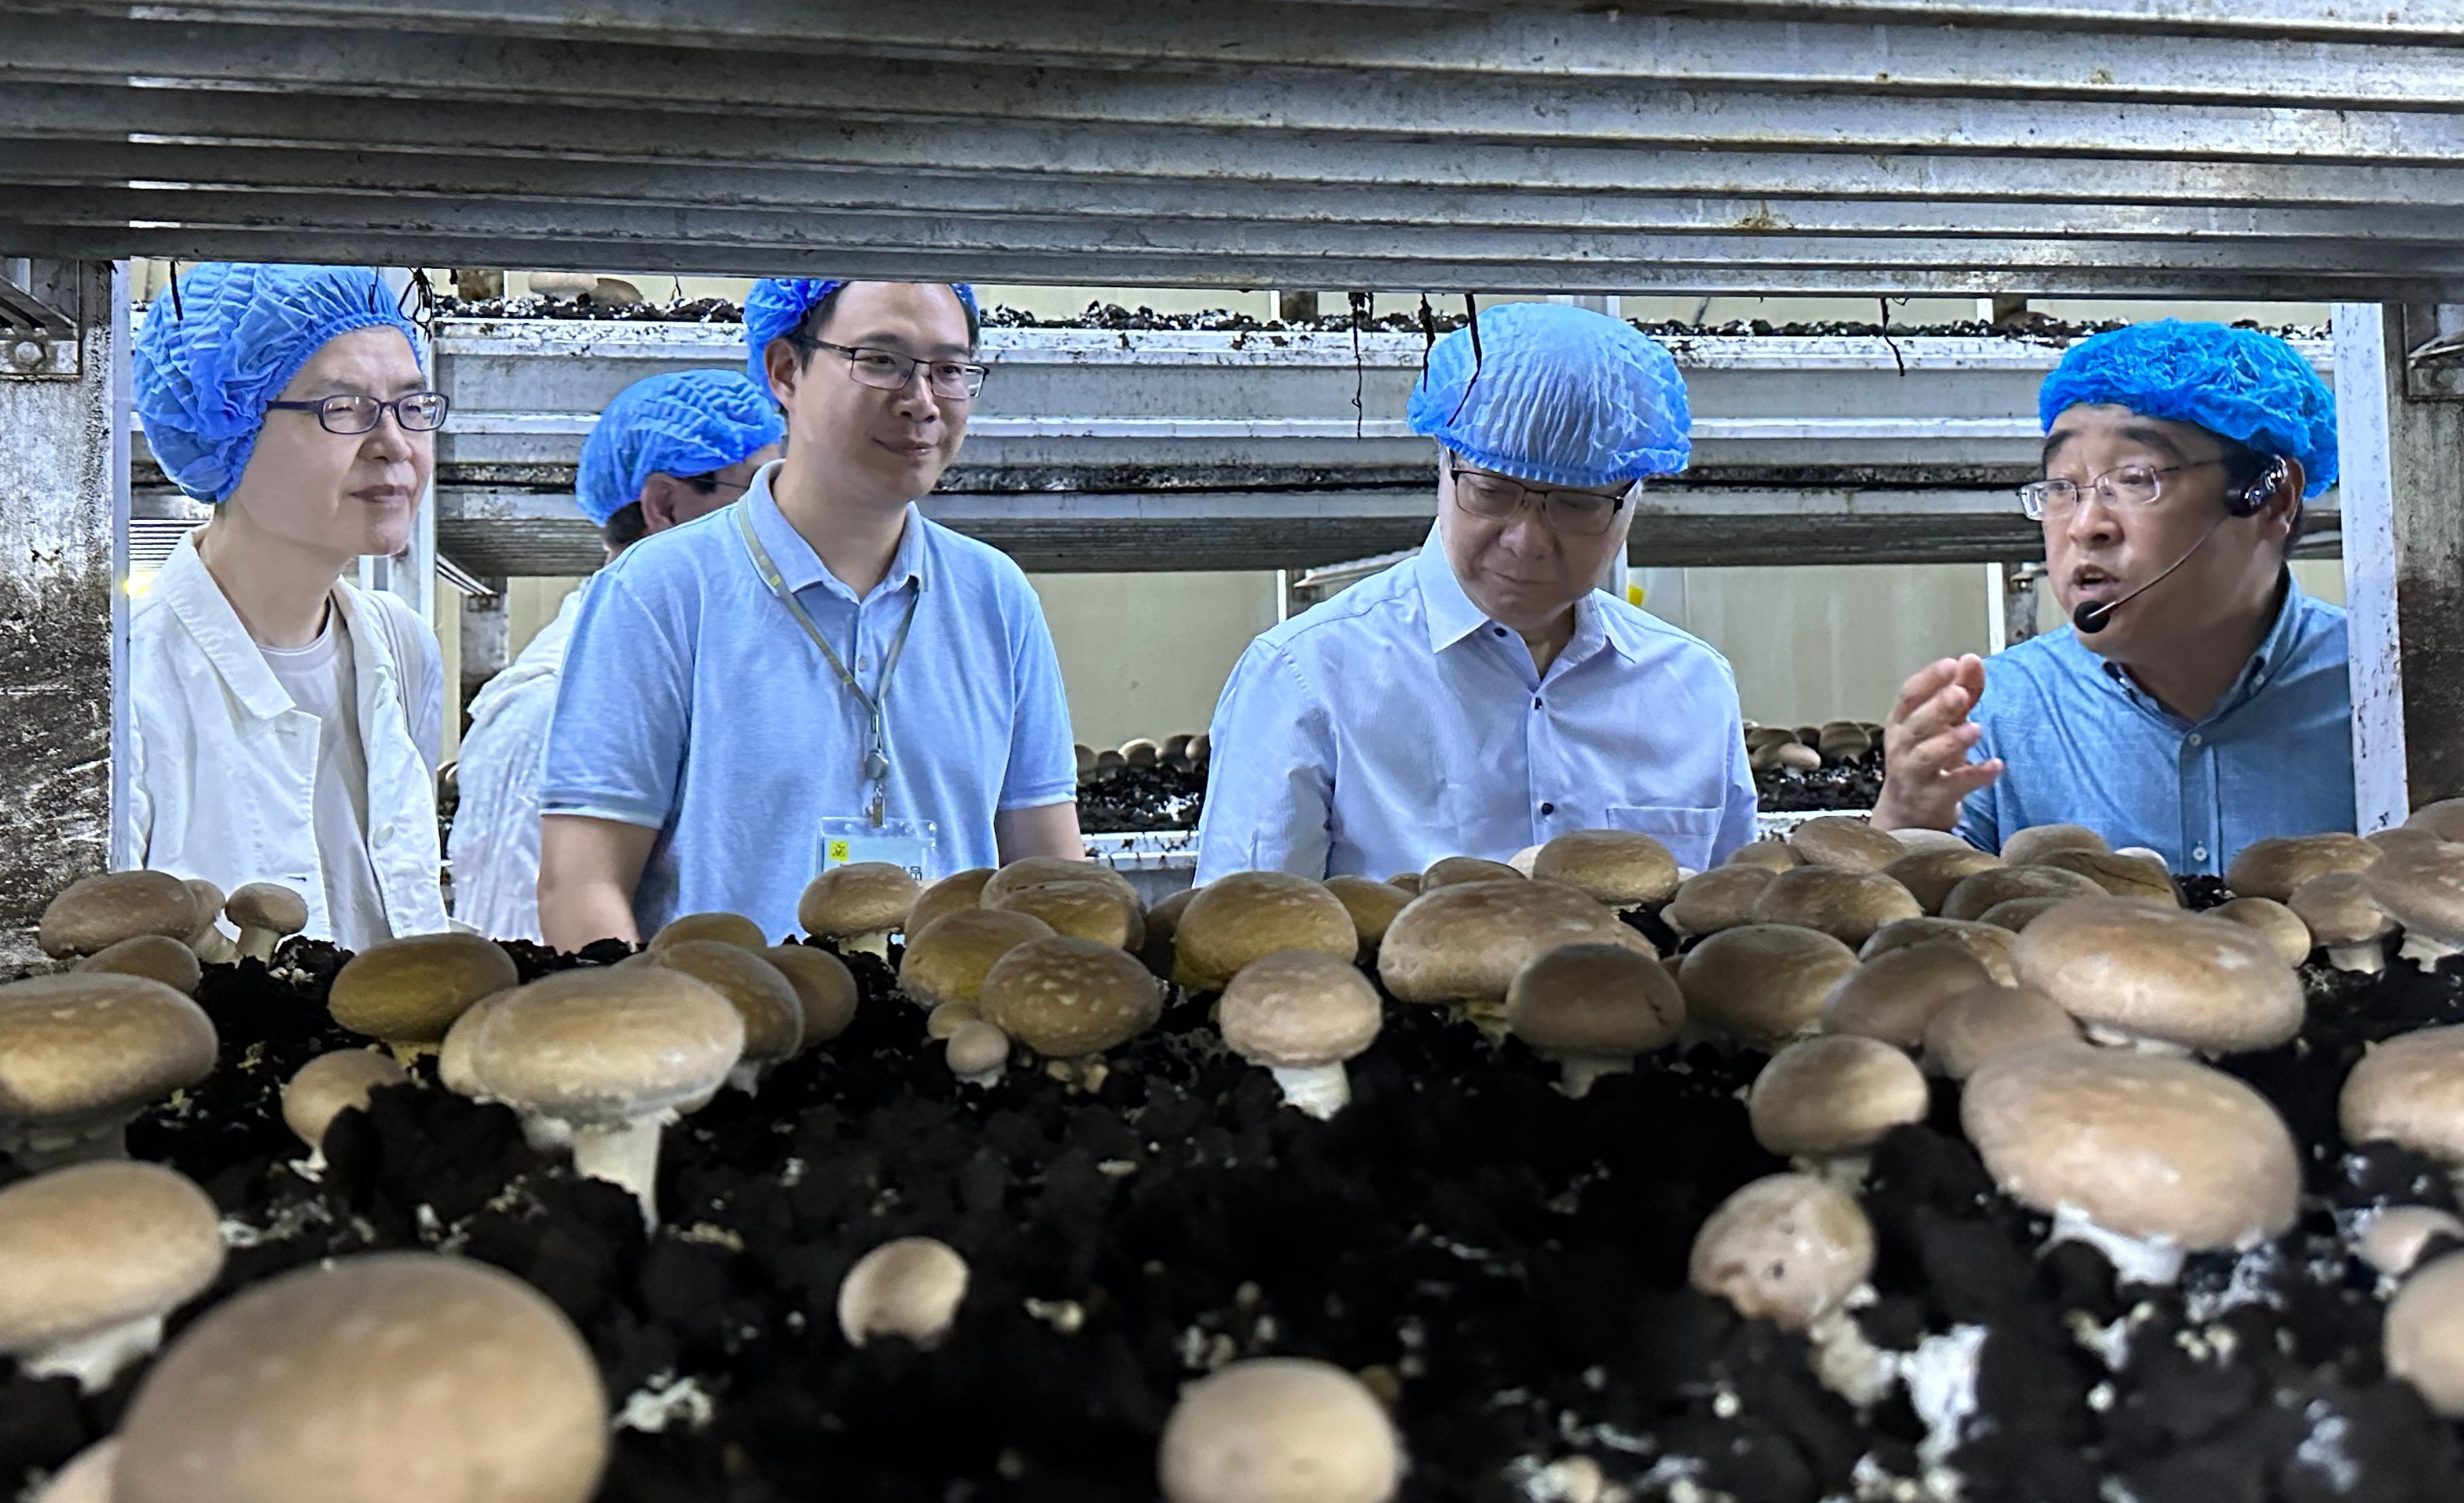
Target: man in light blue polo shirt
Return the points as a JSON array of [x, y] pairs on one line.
[[818, 672], [2200, 701], [1483, 697]]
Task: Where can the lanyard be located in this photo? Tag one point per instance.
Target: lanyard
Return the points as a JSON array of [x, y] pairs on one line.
[[876, 760]]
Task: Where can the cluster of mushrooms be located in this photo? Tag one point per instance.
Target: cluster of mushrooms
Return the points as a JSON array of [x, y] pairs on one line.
[[1805, 748], [2061, 982], [1183, 753]]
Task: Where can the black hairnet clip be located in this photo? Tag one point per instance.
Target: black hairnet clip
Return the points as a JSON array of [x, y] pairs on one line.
[[1359, 373], [422, 292], [1471, 321], [178, 313], [1428, 338]]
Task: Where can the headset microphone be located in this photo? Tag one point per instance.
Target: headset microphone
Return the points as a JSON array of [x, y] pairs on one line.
[[2093, 615]]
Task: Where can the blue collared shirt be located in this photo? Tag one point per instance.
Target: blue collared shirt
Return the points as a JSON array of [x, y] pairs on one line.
[[692, 704], [1395, 724], [2081, 745]]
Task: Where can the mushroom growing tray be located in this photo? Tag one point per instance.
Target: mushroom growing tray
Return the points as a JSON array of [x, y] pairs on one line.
[[1507, 1265], [1854, 784], [1141, 798]]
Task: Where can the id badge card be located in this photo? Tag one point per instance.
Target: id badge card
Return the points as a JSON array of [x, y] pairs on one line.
[[905, 843]]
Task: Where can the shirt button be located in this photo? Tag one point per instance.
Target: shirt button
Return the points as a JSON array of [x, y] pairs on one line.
[[1547, 808], [1497, 631], [2196, 739], [864, 665], [2199, 853], [1535, 704]]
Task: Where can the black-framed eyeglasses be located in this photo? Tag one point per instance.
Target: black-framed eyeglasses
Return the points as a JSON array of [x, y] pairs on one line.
[[420, 412], [956, 380], [2132, 485], [1578, 514]]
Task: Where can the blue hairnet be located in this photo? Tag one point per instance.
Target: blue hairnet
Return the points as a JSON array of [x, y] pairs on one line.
[[2251, 387], [1562, 395], [776, 305], [208, 362], [683, 423]]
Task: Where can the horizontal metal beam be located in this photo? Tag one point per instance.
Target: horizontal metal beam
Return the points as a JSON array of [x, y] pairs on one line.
[[1806, 51], [590, 192]]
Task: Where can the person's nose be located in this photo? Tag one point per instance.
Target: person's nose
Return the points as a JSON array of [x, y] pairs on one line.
[[390, 442], [1528, 533], [917, 401], [2093, 523]]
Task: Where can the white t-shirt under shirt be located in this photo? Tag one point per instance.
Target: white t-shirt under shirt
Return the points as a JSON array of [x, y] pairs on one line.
[[320, 680]]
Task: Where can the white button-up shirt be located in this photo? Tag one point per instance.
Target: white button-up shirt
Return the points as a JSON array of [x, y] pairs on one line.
[[495, 850], [1396, 723], [223, 779]]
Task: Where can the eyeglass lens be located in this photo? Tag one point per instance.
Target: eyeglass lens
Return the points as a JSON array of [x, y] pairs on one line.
[[1577, 512], [420, 412], [891, 371]]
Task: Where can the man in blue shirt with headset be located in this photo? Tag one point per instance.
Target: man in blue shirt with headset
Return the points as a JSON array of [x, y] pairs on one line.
[[2199, 701]]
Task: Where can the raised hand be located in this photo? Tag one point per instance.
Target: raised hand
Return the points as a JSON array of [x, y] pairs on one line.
[[1925, 743]]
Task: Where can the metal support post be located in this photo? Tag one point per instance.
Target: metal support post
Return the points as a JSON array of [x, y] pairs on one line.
[[2400, 420], [63, 562], [487, 638], [1296, 307], [411, 573], [2019, 582]]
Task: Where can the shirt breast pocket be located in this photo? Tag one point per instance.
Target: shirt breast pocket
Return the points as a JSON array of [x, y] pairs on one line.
[[1689, 834]]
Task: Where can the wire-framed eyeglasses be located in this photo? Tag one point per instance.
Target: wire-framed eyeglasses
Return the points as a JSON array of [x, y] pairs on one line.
[[1577, 514], [2129, 485], [956, 380], [419, 412]]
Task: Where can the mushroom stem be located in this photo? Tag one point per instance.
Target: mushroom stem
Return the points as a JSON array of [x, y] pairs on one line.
[[2368, 958], [746, 1077], [1847, 1364], [876, 943], [1843, 1171], [1319, 1090], [623, 1153], [2135, 1260], [987, 1077], [93, 1359], [213, 947], [2115, 1038], [2424, 951], [1577, 1073], [39, 1150]]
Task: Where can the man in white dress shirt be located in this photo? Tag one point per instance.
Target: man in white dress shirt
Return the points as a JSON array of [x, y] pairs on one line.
[[669, 448], [1483, 697]]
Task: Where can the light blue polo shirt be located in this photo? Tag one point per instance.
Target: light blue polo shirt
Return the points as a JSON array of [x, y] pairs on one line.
[[2081, 745], [692, 704]]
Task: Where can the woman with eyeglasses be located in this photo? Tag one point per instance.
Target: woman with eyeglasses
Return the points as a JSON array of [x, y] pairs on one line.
[[285, 722], [817, 674], [1486, 695]]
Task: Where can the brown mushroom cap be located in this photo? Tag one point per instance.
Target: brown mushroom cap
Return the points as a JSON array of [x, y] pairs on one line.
[[1894, 996], [100, 1245], [774, 1016], [1977, 1025], [727, 928], [2017, 914], [1082, 910], [1848, 905], [2422, 889], [1406, 881], [1067, 997], [2443, 818], [2409, 1090], [1723, 898], [2402, 837], [1763, 982], [269, 908], [1989, 889], [1788, 1248], [1163, 922], [1372, 904], [95, 913], [410, 991], [2340, 912], [454, 1071], [211, 945], [1838, 1094], [975, 1049], [1929, 875], [2273, 867], [1916, 840], [382, 1379], [1297, 1010], [1624, 869], [953, 894], [2392, 1238], [1594, 999], [1771, 855], [1239, 918], [1990, 943], [2277, 924], [604, 1046], [1465, 942], [2143, 1145], [911, 1288], [2145, 973], [1034, 871], [1841, 840], [825, 989], [1454, 870], [2040, 841], [150, 956], [83, 1052], [2121, 873], [86, 1478], [2424, 1335], [859, 899], [946, 962], [946, 1020], [1279, 1430], [326, 1086]]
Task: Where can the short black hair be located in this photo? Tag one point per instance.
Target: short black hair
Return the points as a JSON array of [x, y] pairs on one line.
[[629, 526], [809, 328]]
